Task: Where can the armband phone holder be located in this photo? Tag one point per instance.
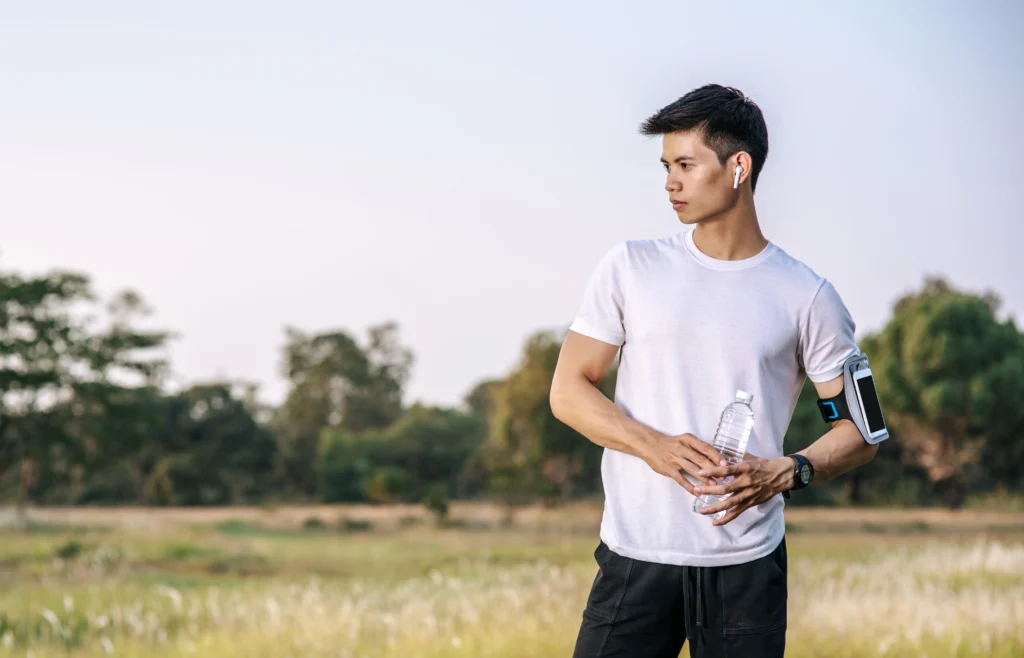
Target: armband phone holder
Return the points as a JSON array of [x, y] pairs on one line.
[[858, 401]]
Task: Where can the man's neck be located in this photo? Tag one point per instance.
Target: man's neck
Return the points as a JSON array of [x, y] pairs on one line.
[[733, 235]]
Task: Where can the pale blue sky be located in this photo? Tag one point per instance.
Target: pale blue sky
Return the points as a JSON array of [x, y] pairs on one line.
[[460, 167]]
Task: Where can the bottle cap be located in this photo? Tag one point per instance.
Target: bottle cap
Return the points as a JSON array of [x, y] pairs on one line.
[[743, 395]]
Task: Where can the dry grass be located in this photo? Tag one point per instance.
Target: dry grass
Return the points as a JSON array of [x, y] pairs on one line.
[[173, 585], [583, 515]]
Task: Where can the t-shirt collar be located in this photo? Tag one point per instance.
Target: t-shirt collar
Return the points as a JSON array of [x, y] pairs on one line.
[[726, 265]]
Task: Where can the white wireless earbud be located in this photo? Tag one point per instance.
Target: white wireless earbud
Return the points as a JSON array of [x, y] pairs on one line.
[[736, 180]]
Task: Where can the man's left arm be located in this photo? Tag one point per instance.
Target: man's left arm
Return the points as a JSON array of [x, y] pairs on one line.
[[757, 480]]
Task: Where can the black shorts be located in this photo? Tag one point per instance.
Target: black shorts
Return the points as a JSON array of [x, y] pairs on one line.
[[646, 610]]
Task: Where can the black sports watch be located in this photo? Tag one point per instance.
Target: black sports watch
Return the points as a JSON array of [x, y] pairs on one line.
[[803, 473]]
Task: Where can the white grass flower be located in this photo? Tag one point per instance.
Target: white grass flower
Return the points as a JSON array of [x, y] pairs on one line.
[[107, 645], [172, 594], [51, 616], [902, 600]]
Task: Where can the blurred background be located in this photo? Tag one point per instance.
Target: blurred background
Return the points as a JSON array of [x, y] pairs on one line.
[[282, 289]]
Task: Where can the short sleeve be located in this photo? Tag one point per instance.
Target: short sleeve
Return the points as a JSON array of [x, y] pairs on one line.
[[827, 337], [601, 313]]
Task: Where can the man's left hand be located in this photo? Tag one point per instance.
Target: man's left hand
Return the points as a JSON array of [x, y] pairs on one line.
[[754, 481]]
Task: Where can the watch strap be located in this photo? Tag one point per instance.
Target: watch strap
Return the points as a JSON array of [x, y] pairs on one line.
[[801, 461]]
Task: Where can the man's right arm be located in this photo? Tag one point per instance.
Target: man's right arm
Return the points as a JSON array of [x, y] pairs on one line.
[[576, 401]]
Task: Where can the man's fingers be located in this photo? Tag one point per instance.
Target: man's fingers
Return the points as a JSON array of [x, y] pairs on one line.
[[719, 472], [707, 450], [739, 501], [673, 471], [681, 479], [717, 507], [698, 458], [683, 463], [726, 487], [721, 505], [733, 513], [693, 468]]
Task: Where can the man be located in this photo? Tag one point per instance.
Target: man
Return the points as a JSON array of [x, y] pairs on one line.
[[698, 316]]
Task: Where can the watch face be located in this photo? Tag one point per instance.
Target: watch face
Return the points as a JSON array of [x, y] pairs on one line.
[[805, 474]]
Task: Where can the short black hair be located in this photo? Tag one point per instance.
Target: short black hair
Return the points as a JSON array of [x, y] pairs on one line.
[[727, 120]]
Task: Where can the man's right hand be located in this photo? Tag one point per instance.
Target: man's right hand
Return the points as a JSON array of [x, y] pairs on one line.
[[576, 401], [671, 456]]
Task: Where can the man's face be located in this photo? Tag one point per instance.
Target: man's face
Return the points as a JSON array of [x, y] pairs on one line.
[[698, 186]]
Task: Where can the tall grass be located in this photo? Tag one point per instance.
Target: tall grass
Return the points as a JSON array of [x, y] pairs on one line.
[[936, 599]]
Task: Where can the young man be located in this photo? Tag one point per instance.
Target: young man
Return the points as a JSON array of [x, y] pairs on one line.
[[698, 316]]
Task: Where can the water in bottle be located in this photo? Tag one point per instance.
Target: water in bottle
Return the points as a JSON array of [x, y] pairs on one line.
[[730, 441]]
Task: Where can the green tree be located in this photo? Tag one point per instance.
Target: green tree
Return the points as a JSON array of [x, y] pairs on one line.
[[949, 375], [475, 477], [114, 423], [528, 449], [436, 499], [387, 484], [426, 446], [337, 384], [210, 450], [480, 399], [56, 356], [117, 428]]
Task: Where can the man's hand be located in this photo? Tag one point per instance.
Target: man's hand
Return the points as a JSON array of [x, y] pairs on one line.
[[671, 456], [754, 481]]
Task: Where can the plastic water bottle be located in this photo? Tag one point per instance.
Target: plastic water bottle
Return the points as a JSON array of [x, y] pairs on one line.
[[731, 441]]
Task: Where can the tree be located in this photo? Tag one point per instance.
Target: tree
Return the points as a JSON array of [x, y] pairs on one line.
[[436, 500], [114, 423], [426, 446], [949, 376], [210, 450], [54, 360], [479, 402], [480, 399], [118, 429], [528, 449], [337, 384]]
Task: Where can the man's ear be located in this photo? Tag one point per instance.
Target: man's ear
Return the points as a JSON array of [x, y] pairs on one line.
[[743, 159]]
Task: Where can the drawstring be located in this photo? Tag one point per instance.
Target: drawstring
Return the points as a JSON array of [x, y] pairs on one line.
[[700, 618], [700, 598]]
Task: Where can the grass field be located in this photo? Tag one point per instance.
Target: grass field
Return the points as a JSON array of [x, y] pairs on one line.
[[384, 582]]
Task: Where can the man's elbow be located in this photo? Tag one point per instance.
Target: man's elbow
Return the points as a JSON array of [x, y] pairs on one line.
[[558, 399], [865, 453], [564, 397]]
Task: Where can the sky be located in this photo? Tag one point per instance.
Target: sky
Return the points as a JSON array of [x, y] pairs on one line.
[[461, 167]]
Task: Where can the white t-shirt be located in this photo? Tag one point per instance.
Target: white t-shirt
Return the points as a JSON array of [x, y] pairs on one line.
[[694, 330]]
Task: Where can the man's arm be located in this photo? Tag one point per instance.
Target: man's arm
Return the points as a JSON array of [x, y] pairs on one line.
[[841, 449], [576, 401], [757, 480]]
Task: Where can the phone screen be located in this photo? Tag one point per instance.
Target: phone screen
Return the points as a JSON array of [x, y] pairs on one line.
[[872, 408]]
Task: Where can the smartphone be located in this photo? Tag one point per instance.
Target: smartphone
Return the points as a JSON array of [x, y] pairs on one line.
[[870, 408]]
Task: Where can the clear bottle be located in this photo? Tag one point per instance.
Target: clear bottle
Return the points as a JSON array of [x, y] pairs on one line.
[[731, 441]]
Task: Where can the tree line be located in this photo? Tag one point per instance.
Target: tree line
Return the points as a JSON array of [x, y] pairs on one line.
[[87, 417]]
